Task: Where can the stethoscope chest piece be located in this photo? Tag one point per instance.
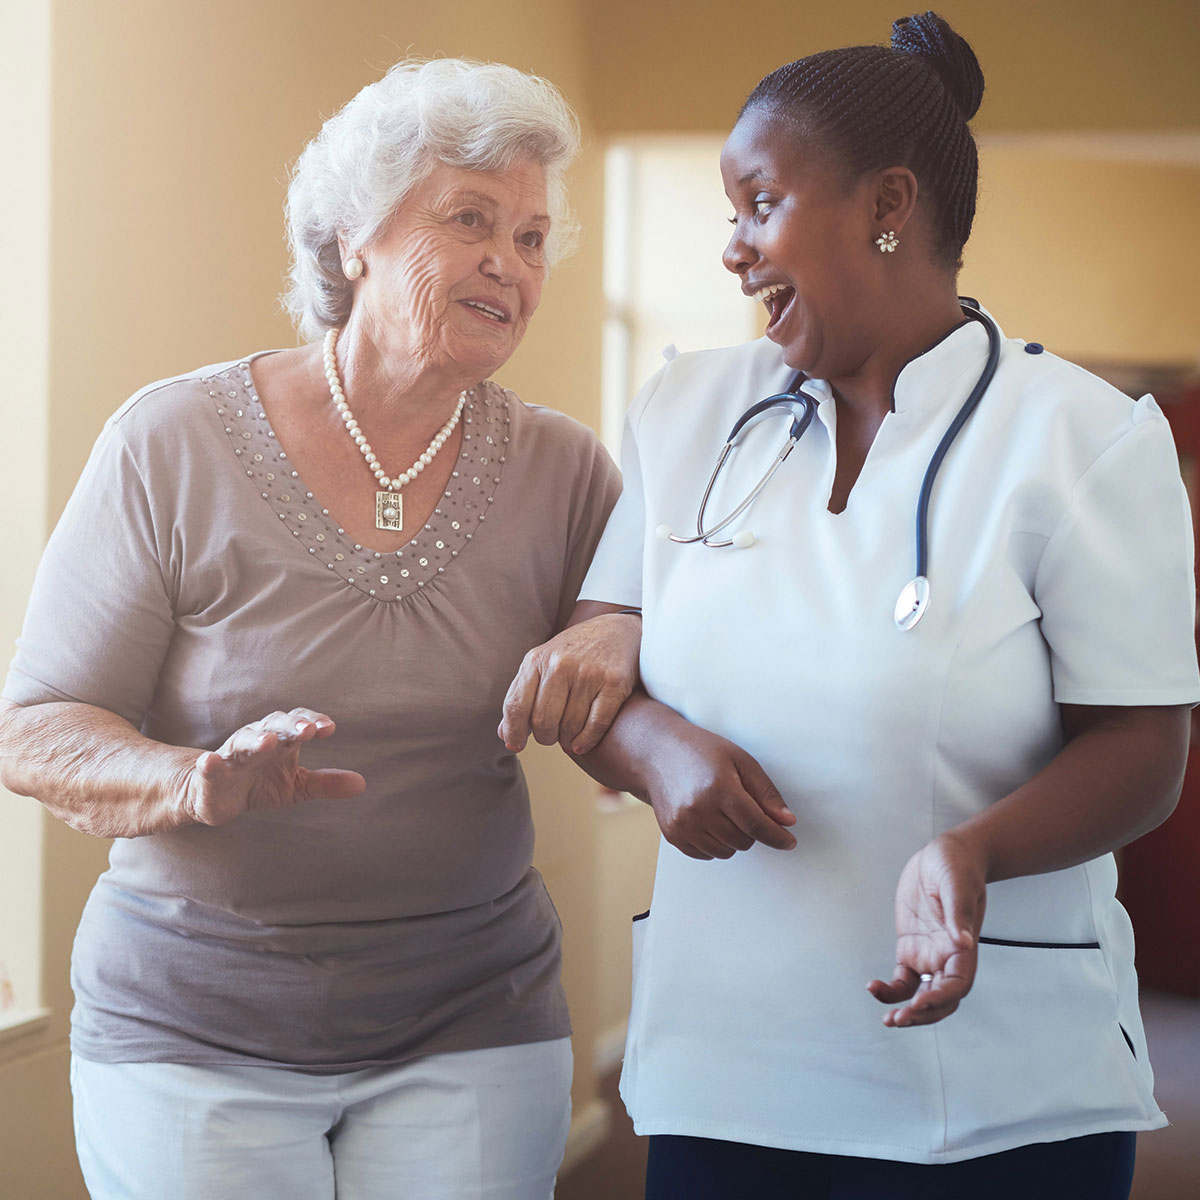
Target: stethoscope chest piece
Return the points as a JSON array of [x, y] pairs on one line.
[[912, 603]]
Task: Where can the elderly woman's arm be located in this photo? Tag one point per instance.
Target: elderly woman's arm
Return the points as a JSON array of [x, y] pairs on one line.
[[96, 772]]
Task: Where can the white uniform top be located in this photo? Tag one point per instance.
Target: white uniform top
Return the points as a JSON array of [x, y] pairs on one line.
[[1061, 573]]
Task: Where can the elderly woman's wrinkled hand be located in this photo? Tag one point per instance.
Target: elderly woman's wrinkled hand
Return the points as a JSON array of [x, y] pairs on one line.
[[570, 689], [940, 903], [258, 769]]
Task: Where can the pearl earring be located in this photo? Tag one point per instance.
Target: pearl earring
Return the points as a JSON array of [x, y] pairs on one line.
[[353, 267], [887, 242]]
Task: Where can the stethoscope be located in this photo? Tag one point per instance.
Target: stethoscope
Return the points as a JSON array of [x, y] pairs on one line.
[[914, 597]]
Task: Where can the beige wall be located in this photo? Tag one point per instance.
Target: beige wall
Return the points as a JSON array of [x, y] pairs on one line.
[[1098, 260], [24, 87], [687, 65], [29, 1093], [162, 177], [626, 849]]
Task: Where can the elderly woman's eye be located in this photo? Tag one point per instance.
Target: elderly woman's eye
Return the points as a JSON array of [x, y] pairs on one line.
[[534, 239], [470, 218]]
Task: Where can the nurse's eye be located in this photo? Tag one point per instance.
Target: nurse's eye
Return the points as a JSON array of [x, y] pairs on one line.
[[762, 207]]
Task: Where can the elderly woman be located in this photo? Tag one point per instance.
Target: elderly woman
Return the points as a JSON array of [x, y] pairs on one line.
[[342, 977], [953, 767]]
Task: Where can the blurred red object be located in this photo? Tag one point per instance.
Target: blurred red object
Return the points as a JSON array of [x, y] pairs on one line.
[[1160, 873]]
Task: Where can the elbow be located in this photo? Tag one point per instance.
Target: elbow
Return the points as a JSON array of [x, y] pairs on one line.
[[1158, 812], [1169, 795], [9, 751], [1172, 759]]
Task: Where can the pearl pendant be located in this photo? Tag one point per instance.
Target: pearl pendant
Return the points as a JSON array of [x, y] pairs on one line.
[[389, 510]]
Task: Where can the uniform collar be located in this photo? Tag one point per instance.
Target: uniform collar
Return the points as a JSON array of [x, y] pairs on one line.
[[927, 377]]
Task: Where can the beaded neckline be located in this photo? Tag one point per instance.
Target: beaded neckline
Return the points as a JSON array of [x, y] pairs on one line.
[[381, 575]]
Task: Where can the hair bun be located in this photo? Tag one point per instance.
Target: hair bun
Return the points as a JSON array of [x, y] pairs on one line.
[[929, 37]]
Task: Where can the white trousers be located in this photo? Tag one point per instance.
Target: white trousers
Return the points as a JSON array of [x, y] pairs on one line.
[[475, 1125]]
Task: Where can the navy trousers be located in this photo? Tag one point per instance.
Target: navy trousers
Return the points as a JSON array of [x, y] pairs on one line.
[[1099, 1167]]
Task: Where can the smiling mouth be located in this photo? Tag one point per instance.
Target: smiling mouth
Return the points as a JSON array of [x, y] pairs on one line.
[[776, 297], [486, 310]]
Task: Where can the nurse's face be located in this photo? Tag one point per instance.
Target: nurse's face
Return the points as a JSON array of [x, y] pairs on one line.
[[802, 244]]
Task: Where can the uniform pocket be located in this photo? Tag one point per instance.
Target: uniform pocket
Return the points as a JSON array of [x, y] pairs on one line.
[[1036, 1049]]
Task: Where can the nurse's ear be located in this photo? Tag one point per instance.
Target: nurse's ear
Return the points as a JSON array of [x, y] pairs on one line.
[[893, 199]]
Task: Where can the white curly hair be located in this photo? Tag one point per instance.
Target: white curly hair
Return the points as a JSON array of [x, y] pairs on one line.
[[371, 154]]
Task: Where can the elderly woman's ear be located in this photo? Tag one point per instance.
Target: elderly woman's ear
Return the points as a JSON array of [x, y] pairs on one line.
[[353, 263]]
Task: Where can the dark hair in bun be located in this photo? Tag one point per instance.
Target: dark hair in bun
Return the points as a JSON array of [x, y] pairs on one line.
[[903, 105]]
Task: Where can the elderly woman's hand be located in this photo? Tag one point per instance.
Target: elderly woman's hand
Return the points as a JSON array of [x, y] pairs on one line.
[[570, 689], [940, 902], [258, 769]]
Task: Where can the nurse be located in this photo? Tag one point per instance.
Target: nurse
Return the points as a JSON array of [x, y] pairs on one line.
[[843, 800]]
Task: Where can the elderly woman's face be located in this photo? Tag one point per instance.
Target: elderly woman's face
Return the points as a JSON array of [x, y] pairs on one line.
[[457, 273]]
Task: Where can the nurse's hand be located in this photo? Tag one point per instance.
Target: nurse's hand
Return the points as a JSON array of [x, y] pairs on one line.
[[939, 912], [713, 799], [570, 689], [258, 769]]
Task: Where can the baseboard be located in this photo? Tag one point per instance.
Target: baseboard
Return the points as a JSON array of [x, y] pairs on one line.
[[609, 1049], [589, 1127]]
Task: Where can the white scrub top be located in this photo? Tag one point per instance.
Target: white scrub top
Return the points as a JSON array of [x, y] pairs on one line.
[[1061, 573]]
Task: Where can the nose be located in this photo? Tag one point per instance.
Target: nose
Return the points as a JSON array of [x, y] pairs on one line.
[[502, 262], [739, 255]]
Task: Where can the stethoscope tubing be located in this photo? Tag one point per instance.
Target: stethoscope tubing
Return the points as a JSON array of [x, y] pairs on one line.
[[960, 419], [799, 425], [914, 598]]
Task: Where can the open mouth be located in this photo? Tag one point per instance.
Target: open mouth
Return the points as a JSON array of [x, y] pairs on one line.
[[489, 311], [776, 297]]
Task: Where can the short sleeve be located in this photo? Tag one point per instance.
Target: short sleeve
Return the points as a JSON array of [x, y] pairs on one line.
[[601, 486], [99, 618], [1115, 584], [616, 572]]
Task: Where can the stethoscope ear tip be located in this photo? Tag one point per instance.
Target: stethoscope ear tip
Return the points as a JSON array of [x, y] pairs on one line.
[[663, 533], [744, 539]]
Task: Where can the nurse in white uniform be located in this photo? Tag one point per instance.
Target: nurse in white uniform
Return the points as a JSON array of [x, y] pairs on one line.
[[845, 793]]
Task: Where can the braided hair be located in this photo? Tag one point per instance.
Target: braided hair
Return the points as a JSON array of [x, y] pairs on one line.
[[905, 105]]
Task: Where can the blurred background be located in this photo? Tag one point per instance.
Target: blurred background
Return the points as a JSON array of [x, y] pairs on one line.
[[146, 146]]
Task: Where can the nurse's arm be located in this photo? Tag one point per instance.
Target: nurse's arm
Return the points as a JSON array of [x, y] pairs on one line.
[[1118, 775], [711, 798]]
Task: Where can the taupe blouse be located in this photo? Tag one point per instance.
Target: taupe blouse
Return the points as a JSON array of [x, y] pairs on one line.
[[195, 584]]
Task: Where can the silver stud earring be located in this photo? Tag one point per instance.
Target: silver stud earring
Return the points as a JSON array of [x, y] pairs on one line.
[[353, 267], [887, 242]]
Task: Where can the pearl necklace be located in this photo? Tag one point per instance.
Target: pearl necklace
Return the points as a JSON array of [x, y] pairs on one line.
[[389, 505]]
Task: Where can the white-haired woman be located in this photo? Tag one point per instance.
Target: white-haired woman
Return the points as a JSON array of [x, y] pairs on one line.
[[342, 977]]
